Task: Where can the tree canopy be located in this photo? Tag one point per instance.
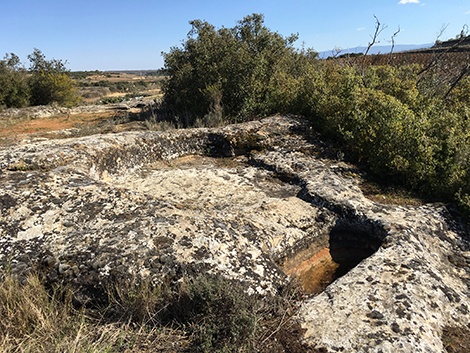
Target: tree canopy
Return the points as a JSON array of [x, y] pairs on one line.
[[44, 83], [49, 81], [408, 123], [14, 90], [234, 69]]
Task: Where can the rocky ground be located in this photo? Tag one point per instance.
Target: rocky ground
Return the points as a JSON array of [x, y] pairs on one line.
[[252, 202]]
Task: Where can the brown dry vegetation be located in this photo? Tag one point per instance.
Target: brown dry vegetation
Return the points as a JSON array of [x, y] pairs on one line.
[[449, 64], [118, 77], [207, 314], [95, 93], [408, 58], [33, 319], [456, 339]]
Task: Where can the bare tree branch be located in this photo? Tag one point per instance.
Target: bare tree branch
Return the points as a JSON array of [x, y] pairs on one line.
[[378, 29], [464, 72], [441, 31], [393, 45], [336, 51]]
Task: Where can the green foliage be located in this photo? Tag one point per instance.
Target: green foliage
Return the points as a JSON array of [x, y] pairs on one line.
[[122, 86], [410, 125], [157, 73], [14, 90], [397, 122], [80, 75], [463, 201], [238, 62], [222, 316], [112, 100], [348, 55], [49, 81]]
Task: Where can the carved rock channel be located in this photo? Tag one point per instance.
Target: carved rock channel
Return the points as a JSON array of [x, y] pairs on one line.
[[252, 202], [330, 257]]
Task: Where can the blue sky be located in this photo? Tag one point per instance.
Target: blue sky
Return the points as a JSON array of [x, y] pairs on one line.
[[120, 35]]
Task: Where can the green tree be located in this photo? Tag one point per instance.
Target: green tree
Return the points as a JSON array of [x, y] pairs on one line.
[[14, 90], [410, 124], [49, 81], [232, 70]]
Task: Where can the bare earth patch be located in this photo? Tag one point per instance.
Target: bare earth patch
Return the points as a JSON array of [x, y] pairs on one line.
[[53, 124], [15, 130]]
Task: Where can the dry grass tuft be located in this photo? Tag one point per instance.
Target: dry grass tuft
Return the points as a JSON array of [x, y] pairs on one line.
[[204, 314], [456, 339], [33, 319]]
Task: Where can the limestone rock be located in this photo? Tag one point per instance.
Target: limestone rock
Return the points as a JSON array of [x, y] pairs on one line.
[[250, 202]]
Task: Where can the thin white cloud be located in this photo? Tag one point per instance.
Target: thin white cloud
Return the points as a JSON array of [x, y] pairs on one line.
[[403, 2], [467, 13], [361, 29]]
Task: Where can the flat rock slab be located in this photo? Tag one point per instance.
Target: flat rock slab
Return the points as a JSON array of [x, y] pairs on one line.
[[242, 202]]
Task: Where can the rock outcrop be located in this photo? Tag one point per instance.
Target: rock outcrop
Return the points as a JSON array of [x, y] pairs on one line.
[[251, 202]]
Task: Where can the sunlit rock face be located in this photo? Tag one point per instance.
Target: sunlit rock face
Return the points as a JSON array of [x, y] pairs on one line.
[[255, 202]]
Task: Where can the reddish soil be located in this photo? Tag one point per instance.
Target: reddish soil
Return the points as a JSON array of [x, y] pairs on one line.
[[14, 131], [53, 124]]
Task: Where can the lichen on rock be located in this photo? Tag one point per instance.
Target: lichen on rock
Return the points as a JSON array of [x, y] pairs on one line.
[[251, 202]]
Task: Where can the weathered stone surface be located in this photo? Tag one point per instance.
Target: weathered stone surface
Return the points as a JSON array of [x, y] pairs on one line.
[[159, 205]]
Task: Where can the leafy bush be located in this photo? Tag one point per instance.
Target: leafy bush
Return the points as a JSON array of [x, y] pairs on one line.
[[112, 100], [409, 124], [47, 88], [80, 75], [49, 82], [397, 120], [232, 67], [14, 90]]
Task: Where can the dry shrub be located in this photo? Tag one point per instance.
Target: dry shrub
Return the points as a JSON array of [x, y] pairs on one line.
[[456, 339], [94, 92], [222, 317], [33, 319], [203, 314]]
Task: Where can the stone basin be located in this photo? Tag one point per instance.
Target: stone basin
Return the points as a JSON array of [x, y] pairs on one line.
[[330, 257]]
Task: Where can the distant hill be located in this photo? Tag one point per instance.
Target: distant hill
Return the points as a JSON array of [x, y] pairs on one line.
[[156, 72], [463, 42], [376, 49]]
